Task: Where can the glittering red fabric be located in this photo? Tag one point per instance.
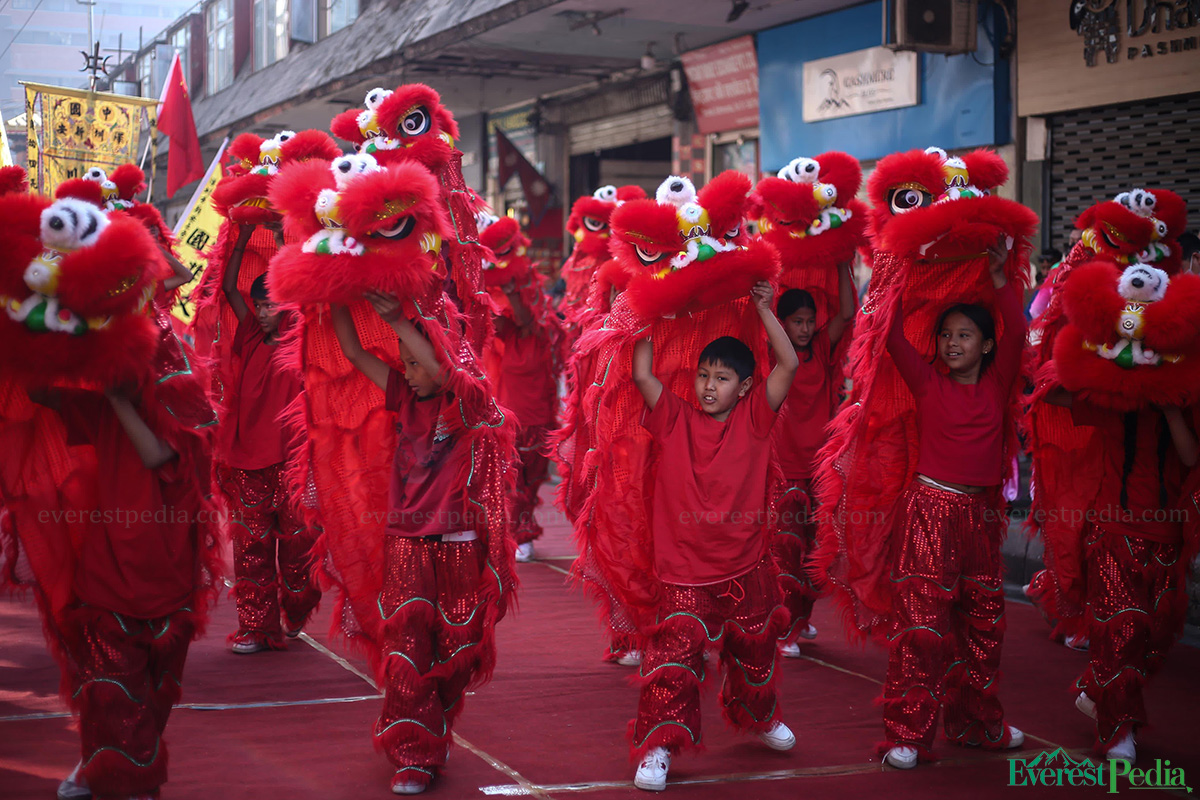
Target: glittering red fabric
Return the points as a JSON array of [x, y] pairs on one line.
[[792, 537], [437, 641], [948, 628], [1136, 606], [127, 677], [744, 617], [266, 528], [533, 467]]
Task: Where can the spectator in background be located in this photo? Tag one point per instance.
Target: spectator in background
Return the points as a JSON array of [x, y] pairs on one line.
[[1042, 298], [1190, 243]]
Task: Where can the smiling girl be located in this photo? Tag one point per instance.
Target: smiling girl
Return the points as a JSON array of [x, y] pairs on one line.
[[944, 651]]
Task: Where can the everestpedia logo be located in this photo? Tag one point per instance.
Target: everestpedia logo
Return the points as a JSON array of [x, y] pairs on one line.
[[1057, 768]]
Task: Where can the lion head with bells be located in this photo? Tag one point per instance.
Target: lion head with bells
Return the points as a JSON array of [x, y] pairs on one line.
[[930, 207], [364, 227], [685, 249], [76, 286], [1167, 213], [406, 123], [242, 195]]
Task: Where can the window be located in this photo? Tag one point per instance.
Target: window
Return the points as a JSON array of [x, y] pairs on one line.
[[270, 31], [219, 24], [145, 68], [181, 40], [339, 14]]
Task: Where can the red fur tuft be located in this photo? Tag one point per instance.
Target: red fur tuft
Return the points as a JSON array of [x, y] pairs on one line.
[[724, 198], [986, 169], [309, 145], [781, 201], [1091, 301], [80, 189], [294, 192], [651, 226], [701, 285], [630, 192], [243, 151], [1119, 233], [13, 179], [1103, 383], [366, 206], [130, 181], [1171, 209], [843, 171], [345, 127]]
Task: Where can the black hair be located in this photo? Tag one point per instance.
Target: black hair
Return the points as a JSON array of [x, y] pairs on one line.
[[1190, 243], [729, 352], [790, 302], [982, 319], [258, 289], [1051, 255]]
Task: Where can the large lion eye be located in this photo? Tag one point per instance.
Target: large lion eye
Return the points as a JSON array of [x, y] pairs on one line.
[[594, 225], [416, 123], [648, 258], [403, 227], [902, 200]]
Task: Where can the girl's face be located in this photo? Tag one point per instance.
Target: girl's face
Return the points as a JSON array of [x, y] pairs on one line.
[[961, 345], [800, 327]]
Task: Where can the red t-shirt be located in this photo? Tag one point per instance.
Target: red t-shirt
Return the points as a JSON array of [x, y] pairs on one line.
[[710, 491], [138, 556], [807, 411], [253, 435], [526, 385], [1151, 485], [960, 427], [425, 498]]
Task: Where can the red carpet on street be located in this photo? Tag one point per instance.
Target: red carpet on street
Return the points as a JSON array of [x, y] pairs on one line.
[[552, 723]]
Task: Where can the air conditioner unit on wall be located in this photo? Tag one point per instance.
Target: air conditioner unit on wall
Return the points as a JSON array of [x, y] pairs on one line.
[[932, 26]]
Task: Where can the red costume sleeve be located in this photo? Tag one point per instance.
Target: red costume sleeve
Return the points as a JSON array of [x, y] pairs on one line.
[[916, 371], [1012, 338], [661, 419]]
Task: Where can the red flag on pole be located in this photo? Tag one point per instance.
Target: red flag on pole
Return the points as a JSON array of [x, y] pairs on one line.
[[535, 187], [184, 161]]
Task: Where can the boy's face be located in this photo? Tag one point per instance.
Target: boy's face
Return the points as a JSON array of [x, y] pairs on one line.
[[718, 389], [418, 378], [800, 327], [268, 316]]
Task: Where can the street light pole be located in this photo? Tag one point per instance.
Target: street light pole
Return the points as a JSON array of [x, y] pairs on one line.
[[93, 45]]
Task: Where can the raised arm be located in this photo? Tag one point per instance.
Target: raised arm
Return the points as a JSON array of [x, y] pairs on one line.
[[643, 373], [847, 304], [153, 451], [521, 314], [914, 369], [1012, 343], [180, 275], [390, 310], [229, 283], [786, 361], [365, 362]]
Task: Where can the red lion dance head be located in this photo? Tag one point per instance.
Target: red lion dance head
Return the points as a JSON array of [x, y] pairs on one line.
[[76, 286], [365, 228], [1167, 213], [118, 192], [407, 123], [509, 247], [242, 195], [686, 250], [589, 220]]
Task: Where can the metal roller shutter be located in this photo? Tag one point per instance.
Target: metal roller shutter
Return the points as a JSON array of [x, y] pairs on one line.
[[1097, 152], [653, 122]]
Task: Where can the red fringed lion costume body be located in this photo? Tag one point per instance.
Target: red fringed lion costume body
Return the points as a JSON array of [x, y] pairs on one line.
[[688, 285], [410, 124], [1064, 464], [359, 227], [78, 315], [933, 219]]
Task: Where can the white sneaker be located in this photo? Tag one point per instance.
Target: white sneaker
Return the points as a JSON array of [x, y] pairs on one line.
[[809, 632], [1025, 591], [400, 785], [902, 756], [525, 553], [1086, 705], [652, 772], [1079, 641], [779, 737], [1125, 749], [790, 650], [74, 786], [1016, 738], [630, 658]]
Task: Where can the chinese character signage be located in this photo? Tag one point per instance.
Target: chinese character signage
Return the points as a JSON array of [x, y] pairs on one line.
[[723, 82], [195, 234], [71, 130]]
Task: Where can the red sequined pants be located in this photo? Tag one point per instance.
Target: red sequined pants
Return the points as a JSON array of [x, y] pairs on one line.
[[944, 647], [128, 676], [791, 542], [1135, 609], [745, 616], [437, 641], [266, 528], [533, 467]]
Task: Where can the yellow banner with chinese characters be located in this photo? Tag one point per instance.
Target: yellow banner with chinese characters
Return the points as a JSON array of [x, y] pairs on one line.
[[195, 233], [71, 130]]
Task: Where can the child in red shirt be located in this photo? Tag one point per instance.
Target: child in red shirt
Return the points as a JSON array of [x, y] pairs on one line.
[[798, 436], [437, 637], [944, 649], [254, 446], [710, 547]]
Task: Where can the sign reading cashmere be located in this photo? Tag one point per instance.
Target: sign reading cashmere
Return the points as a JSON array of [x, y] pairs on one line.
[[723, 82], [860, 82]]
